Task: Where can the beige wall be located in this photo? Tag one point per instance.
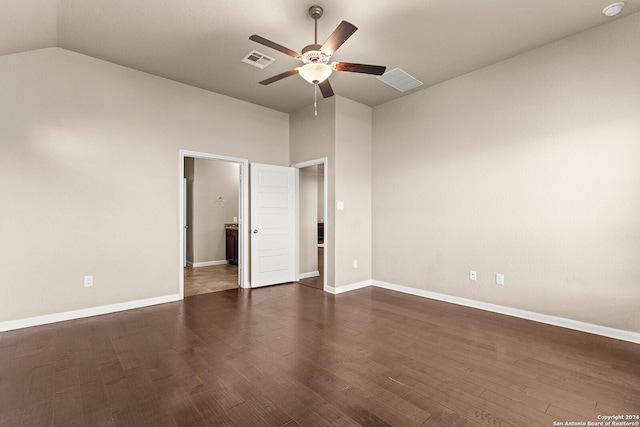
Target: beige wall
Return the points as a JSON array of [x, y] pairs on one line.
[[353, 188], [313, 137], [342, 133], [215, 202], [529, 167], [90, 176], [28, 25]]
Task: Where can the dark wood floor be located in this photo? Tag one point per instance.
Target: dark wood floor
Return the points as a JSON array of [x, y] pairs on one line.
[[293, 355]]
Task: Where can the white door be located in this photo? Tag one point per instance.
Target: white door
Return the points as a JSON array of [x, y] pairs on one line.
[[272, 224]]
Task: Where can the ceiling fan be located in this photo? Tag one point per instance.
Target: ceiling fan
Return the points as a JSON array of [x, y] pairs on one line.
[[316, 68]]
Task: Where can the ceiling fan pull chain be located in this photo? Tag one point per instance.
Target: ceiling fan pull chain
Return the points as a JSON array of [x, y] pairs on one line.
[[315, 98]]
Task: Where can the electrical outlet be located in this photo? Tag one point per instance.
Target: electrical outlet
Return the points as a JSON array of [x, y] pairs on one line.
[[473, 275], [355, 263], [88, 281], [500, 279]]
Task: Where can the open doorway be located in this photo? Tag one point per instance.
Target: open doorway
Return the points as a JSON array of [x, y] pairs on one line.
[[212, 207], [312, 215]]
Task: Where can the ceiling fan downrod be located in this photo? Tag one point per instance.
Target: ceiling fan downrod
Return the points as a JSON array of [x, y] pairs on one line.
[[315, 12]]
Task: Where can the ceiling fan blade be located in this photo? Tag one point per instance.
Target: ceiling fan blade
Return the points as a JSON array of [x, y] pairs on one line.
[[378, 70], [275, 46], [325, 88], [279, 77], [338, 37]]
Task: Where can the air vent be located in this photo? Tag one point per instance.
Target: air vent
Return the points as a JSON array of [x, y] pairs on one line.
[[258, 59], [399, 80]]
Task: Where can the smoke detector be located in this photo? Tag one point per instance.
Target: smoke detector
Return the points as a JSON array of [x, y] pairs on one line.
[[613, 9]]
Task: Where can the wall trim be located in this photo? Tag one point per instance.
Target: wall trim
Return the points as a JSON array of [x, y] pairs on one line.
[[309, 274], [562, 322], [346, 288], [209, 263], [85, 312]]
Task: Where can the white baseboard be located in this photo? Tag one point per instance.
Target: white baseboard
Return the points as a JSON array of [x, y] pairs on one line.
[[619, 334], [523, 314], [346, 288], [309, 274], [85, 312], [209, 263]]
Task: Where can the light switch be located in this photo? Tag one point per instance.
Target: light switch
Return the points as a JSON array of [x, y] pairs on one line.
[[340, 206]]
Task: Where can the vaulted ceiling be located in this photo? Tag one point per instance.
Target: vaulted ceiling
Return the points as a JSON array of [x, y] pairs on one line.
[[202, 42]]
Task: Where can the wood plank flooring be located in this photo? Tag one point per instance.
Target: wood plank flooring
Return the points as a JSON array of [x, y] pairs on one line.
[[293, 355], [214, 278]]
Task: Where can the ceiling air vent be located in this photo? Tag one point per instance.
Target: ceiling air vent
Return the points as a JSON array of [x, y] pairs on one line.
[[399, 80], [258, 59]]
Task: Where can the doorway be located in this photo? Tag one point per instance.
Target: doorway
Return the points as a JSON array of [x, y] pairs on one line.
[[212, 212], [312, 215]]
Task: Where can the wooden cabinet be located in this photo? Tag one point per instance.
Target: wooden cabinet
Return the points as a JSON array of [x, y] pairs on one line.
[[231, 231]]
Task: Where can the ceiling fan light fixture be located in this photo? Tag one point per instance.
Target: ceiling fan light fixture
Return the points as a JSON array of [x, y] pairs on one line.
[[315, 73]]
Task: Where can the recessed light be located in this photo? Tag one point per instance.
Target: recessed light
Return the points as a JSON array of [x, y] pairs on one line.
[[613, 9]]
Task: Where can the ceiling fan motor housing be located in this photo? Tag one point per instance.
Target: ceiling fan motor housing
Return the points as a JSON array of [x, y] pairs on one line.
[[312, 54], [315, 11]]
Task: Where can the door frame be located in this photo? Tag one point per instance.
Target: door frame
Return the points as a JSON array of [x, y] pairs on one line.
[[243, 213], [325, 162], [184, 221]]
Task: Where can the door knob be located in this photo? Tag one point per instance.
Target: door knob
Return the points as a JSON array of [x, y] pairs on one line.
[[255, 231]]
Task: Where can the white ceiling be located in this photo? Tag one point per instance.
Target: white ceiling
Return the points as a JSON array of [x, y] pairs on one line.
[[201, 42]]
